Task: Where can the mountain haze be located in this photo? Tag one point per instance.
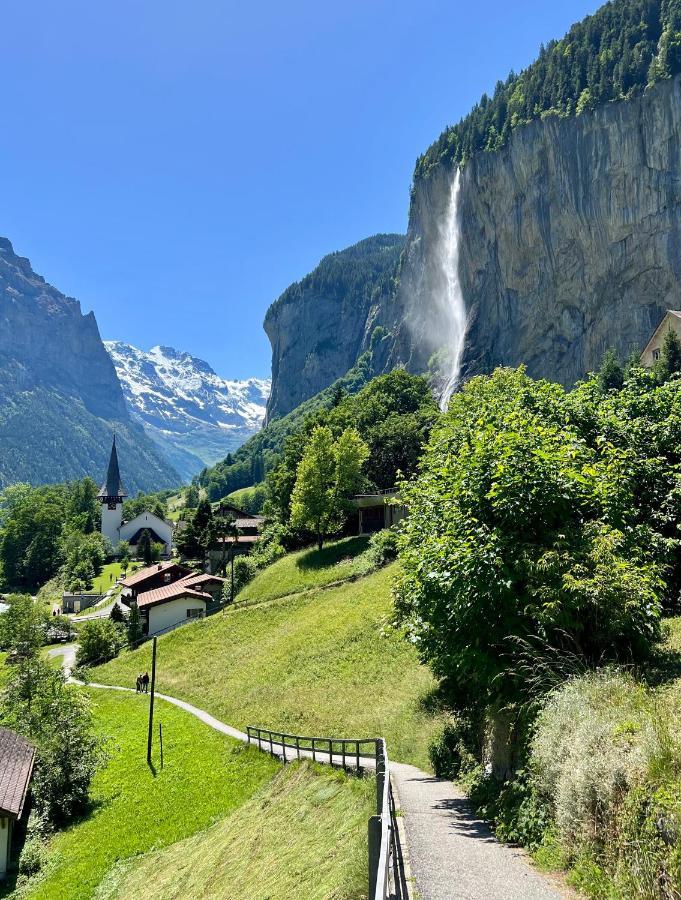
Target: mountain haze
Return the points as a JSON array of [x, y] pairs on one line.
[[193, 415]]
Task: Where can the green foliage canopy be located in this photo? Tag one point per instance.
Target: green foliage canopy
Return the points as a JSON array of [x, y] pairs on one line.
[[524, 528]]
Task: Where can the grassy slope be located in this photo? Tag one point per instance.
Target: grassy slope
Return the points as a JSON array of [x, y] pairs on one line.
[[206, 776], [104, 580], [302, 835], [307, 569], [324, 663]]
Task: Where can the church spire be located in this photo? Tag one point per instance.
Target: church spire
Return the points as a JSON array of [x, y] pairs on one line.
[[113, 486]]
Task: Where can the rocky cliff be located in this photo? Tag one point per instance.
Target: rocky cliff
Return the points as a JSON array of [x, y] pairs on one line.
[[60, 399], [320, 326], [569, 242]]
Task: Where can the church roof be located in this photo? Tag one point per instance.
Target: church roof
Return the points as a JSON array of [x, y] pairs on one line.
[[113, 486]]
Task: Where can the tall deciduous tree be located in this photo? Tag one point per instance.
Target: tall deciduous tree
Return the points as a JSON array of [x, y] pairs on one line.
[[328, 473]]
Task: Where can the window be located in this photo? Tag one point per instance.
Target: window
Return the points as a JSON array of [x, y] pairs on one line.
[[656, 354], [166, 578], [195, 613]]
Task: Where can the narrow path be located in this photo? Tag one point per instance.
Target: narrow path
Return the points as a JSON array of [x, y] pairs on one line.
[[453, 854]]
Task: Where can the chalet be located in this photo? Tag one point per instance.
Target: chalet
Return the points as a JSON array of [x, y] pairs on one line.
[[17, 756], [207, 584], [378, 510], [230, 545], [164, 608], [670, 322], [159, 575]]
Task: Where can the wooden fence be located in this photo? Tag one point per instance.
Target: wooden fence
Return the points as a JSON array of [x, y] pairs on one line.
[[347, 753]]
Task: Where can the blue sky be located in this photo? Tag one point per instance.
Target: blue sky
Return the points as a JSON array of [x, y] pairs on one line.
[[175, 166]]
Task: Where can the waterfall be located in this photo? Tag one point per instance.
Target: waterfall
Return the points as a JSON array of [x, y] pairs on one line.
[[450, 303]]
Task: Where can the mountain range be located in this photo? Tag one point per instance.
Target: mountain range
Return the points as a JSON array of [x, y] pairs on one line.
[[60, 399], [194, 416]]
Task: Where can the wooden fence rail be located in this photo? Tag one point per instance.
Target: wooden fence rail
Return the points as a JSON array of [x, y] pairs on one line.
[[348, 753]]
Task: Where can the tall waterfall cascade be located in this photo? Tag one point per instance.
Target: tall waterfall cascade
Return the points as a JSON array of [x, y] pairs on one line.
[[451, 303]]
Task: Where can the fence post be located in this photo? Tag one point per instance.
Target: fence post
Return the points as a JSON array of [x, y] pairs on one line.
[[330, 752], [343, 751], [380, 776], [298, 746], [313, 756], [357, 749], [271, 744], [375, 826], [283, 746]]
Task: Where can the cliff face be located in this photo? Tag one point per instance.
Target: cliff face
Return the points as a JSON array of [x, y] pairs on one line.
[[60, 399], [569, 242], [320, 326]]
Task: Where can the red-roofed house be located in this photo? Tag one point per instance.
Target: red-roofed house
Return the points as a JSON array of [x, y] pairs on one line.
[[171, 605], [158, 575], [207, 584], [16, 767]]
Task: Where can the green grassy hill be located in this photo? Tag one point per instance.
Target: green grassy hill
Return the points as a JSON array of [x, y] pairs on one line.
[[308, 569], [205, 777], [225, 814], [302, 835], [326, 662]]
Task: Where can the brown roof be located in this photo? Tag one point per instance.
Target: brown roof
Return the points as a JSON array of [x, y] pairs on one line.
[[199, 578], [170, 592], [149, 572], [250, 522], [16, 766]]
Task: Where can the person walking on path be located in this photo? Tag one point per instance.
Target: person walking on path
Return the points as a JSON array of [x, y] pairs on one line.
[[138, 684], [145, 682]]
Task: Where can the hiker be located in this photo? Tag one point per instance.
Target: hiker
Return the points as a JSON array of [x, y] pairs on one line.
[[145, 682], [138, 684]]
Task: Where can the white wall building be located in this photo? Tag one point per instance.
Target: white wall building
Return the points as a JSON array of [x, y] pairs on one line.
[[111, 496], [164, 608]]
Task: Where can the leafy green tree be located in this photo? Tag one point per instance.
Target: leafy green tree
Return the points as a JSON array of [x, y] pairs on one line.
[[669, 362], [192, 496], [144, 547], [519, 534], [23, 625], [611, 372], [134, 626], [328, 473], [38, 704], [100, 640], [116, 614]]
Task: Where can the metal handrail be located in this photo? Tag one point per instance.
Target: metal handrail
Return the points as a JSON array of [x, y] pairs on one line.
[[381, 826]]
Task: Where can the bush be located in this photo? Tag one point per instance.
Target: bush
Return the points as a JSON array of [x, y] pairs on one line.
[[244, 572], [32, 857], [383, 547], [100, 640], [450, 753]]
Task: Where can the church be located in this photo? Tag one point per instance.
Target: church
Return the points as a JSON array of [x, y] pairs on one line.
[[111, 496]]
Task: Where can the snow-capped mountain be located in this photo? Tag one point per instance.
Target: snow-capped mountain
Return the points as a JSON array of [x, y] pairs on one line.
[[195, 416]]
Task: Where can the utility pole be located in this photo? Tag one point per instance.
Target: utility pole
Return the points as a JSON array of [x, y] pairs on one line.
[[151, 701], [231, 588]]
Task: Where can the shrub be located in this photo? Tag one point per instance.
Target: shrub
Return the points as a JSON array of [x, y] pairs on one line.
[[32, 857], [383, 547], [596, 739], [450, 752], [244, 571], [100, 640]]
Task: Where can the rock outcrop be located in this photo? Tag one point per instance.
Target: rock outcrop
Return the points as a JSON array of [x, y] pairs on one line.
[[570, 242], [60, 399], [320, 326]]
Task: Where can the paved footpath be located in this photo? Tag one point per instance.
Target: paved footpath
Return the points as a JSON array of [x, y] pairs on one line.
[[452, 854]]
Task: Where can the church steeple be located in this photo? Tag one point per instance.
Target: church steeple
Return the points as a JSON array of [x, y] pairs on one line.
[[112, 488]]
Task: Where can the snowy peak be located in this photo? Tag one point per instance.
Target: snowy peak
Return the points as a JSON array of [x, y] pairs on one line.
[[185, 406]]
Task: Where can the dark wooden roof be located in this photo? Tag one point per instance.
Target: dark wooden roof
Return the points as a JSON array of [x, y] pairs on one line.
[[113, 486], [151, 572], [16, 766]]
